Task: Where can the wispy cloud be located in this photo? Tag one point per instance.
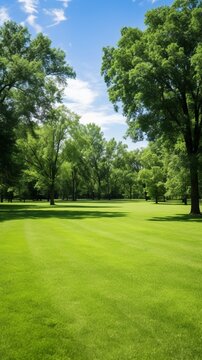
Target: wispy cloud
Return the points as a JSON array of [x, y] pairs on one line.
[[4, 16], [57, 15], [29, 6], [142, 2], [31, 20], [64, 2], [102, 118], [81, 97]]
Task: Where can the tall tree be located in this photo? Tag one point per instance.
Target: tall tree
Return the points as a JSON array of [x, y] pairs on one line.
[[27, 68], [157, 76], [43, 150]]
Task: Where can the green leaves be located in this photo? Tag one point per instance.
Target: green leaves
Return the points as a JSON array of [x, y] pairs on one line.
[[52, 59], [25, 64], [196, 63], [159, 85], [30, 74]]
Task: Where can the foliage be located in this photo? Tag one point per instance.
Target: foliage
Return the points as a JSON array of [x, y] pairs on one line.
[[43, 150], [177, 183], [30, 72], [156, 75], [152, 175]]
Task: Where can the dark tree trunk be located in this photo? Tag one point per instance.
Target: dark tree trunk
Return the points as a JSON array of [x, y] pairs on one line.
[[156, 199], [193, 166], [185, 199], [2, 198], [52, 200], [73, 186], [99, 189]]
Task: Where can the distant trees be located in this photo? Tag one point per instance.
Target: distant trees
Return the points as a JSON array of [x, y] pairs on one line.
[[63, 158], [177, 171], [67, 158], [153, 175], [97, 166], [156, 75], [43, 149]]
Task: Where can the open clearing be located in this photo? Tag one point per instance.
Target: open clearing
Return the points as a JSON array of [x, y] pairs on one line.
[[100, 281]]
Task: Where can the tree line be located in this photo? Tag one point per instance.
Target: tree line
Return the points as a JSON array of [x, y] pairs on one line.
[[65, 159]]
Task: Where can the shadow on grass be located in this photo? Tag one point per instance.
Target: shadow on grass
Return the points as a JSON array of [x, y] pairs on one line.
[[84, 206], [178, 217], [45, 205], [174, 203], [20, 212]]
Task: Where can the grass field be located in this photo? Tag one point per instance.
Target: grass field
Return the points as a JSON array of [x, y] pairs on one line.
[[100, 281]]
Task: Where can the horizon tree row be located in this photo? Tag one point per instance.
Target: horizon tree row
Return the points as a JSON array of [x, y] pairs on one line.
[[65, 159]]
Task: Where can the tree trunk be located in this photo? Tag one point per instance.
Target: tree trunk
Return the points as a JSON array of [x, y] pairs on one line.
[[185, 199], [145, 196], [99, 189], [52, 200], [193, 166], [73, 186]]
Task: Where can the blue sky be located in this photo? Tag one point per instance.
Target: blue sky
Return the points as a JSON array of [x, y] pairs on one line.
[[82, 28]]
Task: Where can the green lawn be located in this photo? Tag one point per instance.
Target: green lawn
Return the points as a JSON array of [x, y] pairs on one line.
[[100, 281]]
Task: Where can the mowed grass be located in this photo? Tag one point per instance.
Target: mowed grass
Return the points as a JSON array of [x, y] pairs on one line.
[[100, 281]]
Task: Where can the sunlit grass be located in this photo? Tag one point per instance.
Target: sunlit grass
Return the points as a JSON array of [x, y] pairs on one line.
[[100, 280]]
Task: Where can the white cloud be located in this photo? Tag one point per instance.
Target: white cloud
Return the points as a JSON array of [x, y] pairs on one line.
[[29, 6], [4, 16], [64, 2], [58, 15], [101, 118], [31, 20], [80, 94], [81, 97]]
